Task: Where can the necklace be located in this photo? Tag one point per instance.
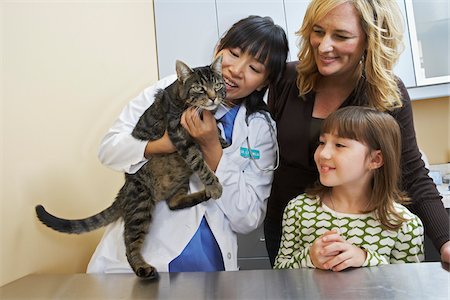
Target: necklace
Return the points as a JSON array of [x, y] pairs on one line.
[[339, 220]]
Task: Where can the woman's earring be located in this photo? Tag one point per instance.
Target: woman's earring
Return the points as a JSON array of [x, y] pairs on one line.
[[362, 63]]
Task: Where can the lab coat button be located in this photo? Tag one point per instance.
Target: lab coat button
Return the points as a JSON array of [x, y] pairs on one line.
[[229, 255]]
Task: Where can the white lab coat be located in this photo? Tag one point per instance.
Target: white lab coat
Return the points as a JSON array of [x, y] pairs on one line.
[[240, 209]]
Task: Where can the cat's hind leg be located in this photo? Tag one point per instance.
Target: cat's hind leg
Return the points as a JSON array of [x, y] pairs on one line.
[[136, 226]]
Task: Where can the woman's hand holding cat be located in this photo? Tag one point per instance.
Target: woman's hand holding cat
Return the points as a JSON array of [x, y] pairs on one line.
[[163, 145], [204, 131]]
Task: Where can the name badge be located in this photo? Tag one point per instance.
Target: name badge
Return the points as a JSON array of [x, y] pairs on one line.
[[246, 153]]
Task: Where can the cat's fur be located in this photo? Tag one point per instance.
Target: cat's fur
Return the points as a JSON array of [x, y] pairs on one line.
[[164, 176]]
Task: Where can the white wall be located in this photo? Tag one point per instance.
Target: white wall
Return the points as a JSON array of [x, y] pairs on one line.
[[67, 69]]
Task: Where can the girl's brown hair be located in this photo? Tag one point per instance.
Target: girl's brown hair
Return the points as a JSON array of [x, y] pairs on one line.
[[378, 131]]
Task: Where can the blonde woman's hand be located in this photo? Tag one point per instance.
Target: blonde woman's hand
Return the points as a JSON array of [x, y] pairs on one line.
[[445, 252]]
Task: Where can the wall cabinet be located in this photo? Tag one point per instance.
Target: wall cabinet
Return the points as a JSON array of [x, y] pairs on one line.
[[189, 31], [185, 30], [429, 28]]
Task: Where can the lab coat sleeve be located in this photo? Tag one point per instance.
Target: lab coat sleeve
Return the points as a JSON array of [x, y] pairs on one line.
[[119, 150], [245, 187]]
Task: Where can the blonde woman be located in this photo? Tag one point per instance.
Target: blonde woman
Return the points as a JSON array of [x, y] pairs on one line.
[[347, 52]]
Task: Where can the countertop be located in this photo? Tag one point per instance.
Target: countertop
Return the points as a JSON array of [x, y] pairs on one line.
[[402, 281]]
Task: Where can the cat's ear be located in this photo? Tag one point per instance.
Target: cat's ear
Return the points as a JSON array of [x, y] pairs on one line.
[[216, 66], [183, 71]]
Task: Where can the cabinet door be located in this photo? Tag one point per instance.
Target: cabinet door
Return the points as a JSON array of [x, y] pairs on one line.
[[295, 11], [405, 66], [185, 30], [252, 253], [429, 27], [230, 11]]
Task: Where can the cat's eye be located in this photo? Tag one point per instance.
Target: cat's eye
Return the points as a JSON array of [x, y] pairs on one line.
[[197, 89], [217, 86]]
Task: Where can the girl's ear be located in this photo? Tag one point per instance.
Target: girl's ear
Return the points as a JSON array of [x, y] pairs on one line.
[[376, 160]]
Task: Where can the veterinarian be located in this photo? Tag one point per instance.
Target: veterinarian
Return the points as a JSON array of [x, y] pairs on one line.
[[203, 237]]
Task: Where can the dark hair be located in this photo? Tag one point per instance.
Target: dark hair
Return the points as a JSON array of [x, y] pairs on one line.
[[263, 39]]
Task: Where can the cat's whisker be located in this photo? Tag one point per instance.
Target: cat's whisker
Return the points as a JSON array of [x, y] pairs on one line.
[[199, 110], [225, 106]]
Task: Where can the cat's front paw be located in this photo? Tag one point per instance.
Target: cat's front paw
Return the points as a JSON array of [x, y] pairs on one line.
[[214, 191], [223, 143]]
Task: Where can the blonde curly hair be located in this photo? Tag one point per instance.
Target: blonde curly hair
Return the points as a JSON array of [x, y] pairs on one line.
[[381, 21]]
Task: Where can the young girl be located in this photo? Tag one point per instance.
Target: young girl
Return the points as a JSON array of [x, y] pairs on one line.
[[203, 237], [353, 217]]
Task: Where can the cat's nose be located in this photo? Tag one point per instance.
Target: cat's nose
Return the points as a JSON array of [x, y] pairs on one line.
[[211, 94]]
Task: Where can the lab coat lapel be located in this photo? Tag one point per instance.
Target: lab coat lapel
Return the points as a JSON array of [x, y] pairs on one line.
[[240, 130]]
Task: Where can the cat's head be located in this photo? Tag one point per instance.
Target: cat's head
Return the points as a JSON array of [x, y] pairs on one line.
[[202, 87]]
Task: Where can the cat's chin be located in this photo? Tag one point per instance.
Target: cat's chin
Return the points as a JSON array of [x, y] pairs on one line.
[[210, 108]]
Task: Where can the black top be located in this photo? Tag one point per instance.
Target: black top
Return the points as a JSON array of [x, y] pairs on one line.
[[293, 116]]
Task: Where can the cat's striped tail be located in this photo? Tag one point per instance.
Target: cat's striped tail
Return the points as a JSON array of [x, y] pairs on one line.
[[96, 221]]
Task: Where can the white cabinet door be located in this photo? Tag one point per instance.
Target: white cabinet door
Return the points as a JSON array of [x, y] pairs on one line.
[[405, 66], [295, 11], [230, 11], [185, 30], [429, 26]]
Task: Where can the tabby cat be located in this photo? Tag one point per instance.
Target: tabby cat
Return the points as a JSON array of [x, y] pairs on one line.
[[164, 176]]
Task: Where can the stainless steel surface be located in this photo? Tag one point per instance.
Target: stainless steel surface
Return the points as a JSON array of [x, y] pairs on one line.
[[408, 281]]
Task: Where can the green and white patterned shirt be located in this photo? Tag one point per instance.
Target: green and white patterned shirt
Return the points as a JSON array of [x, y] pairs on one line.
[[305, 219]]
